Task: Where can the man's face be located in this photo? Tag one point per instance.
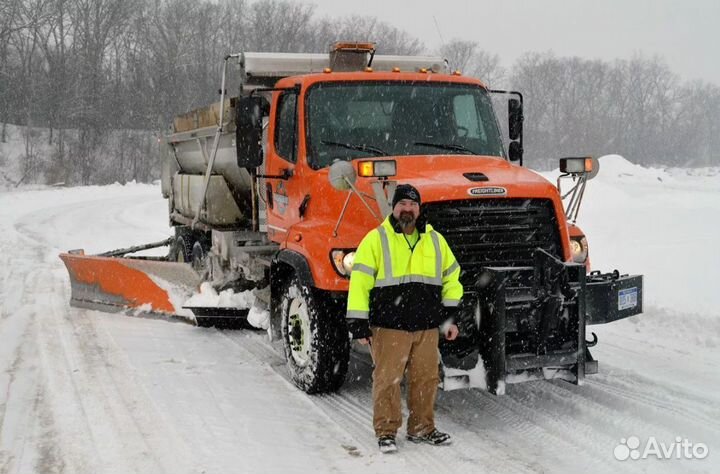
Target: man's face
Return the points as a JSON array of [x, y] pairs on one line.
[[406, 212]]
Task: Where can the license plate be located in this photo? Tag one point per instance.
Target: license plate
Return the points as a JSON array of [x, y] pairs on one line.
[[627, 298]]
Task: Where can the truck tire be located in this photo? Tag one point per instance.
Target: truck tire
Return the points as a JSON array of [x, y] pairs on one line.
[[197, 257], [315, 338], [190, 247], [182, 249]]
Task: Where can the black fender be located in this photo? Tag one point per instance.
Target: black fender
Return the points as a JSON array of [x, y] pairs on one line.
[[295, 260], [283, 266]]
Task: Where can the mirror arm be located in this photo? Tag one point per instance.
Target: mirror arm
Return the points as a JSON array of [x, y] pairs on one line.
[[576, 193], [342, 214], [354, 189]]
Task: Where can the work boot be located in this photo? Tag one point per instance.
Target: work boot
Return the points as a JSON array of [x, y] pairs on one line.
[[435, 438], [387, 444]]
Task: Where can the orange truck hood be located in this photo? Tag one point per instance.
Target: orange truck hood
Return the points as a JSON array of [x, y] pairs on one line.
[[438, 177], [441, 177]]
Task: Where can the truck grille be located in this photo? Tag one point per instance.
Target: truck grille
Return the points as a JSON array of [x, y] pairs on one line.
[[495, 232]]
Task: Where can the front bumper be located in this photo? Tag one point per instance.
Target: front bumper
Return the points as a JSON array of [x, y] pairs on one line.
[[611, 296]]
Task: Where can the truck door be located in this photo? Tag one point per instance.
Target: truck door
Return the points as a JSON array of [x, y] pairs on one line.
[[283, 195]]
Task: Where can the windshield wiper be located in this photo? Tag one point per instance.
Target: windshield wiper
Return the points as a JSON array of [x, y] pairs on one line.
[[352, 146], [447, 146]]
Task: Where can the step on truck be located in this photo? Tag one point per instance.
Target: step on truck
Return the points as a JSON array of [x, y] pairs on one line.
[[273, 188]]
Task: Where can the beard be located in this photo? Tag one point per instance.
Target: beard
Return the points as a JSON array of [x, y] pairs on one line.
[[406, 219]]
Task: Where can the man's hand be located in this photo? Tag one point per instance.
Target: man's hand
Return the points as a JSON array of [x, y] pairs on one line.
[[451, 332], [365, 341], [360, 329]]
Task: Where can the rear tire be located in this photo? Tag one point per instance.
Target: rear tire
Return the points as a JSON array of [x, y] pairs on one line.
[[190, 247], [315, 338], [182, 251], [198, 257]]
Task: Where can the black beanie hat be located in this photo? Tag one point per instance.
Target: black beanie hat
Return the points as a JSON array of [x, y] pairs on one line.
[[406, 191]]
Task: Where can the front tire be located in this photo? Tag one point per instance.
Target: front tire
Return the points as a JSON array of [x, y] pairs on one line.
[[315, 338]]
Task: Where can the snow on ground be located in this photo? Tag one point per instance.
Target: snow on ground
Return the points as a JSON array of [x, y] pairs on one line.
[[88, 392]]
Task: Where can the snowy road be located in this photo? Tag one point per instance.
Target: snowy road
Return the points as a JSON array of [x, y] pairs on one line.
[[87, 392]]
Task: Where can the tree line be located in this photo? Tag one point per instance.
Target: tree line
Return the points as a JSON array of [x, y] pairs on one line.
[[104, 77], [636, 107]]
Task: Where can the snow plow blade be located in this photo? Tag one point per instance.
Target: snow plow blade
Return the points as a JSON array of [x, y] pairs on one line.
[[139, 286]]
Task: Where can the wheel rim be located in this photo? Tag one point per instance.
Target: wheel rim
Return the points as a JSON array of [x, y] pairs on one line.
[[299, 332]]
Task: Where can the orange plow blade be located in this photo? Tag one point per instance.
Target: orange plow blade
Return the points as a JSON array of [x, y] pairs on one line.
[[135, 285]]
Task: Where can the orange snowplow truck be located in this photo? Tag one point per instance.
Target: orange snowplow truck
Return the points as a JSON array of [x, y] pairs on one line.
[[272, 191]]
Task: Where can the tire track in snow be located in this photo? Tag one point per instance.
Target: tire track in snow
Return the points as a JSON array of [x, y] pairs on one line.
[[530, 412], [76, 383], [608, 418], [355, 398], [103, 416], [353, 417], [524, 426], [641, 395], [27, 441], [351, 408]]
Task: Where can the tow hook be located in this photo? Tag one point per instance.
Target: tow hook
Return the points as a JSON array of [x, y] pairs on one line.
[[593, 342]]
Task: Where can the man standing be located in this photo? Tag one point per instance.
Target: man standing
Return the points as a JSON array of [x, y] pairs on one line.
[[404, 277]]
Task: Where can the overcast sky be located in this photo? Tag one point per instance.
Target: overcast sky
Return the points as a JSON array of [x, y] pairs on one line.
[[686, 33]]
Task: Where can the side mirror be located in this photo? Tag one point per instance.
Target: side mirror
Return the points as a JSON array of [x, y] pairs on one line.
[[342, 175], [515, 151], [249, 113], [515, 119]]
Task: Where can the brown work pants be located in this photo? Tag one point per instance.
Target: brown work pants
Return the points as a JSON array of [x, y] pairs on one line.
[[394, 351]]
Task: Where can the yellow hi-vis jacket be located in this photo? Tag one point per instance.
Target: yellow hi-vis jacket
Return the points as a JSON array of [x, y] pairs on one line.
[[399, 286]]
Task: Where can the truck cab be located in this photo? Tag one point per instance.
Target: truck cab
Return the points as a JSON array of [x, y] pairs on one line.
[[435, 131]]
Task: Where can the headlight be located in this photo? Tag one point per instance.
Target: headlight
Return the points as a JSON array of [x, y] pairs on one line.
[[579, 249], [343, 261]]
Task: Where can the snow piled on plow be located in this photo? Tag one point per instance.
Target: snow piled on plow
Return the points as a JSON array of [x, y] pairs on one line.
[[209, 297]]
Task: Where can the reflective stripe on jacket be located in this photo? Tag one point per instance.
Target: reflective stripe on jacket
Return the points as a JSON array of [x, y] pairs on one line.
[[399, 288]]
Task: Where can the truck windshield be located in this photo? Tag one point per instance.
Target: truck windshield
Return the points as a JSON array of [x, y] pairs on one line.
[[356, 120]]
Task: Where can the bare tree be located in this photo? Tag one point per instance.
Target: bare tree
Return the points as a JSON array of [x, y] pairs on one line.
[[389, 39], [96, 24], [105, 76], [467, 57]]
